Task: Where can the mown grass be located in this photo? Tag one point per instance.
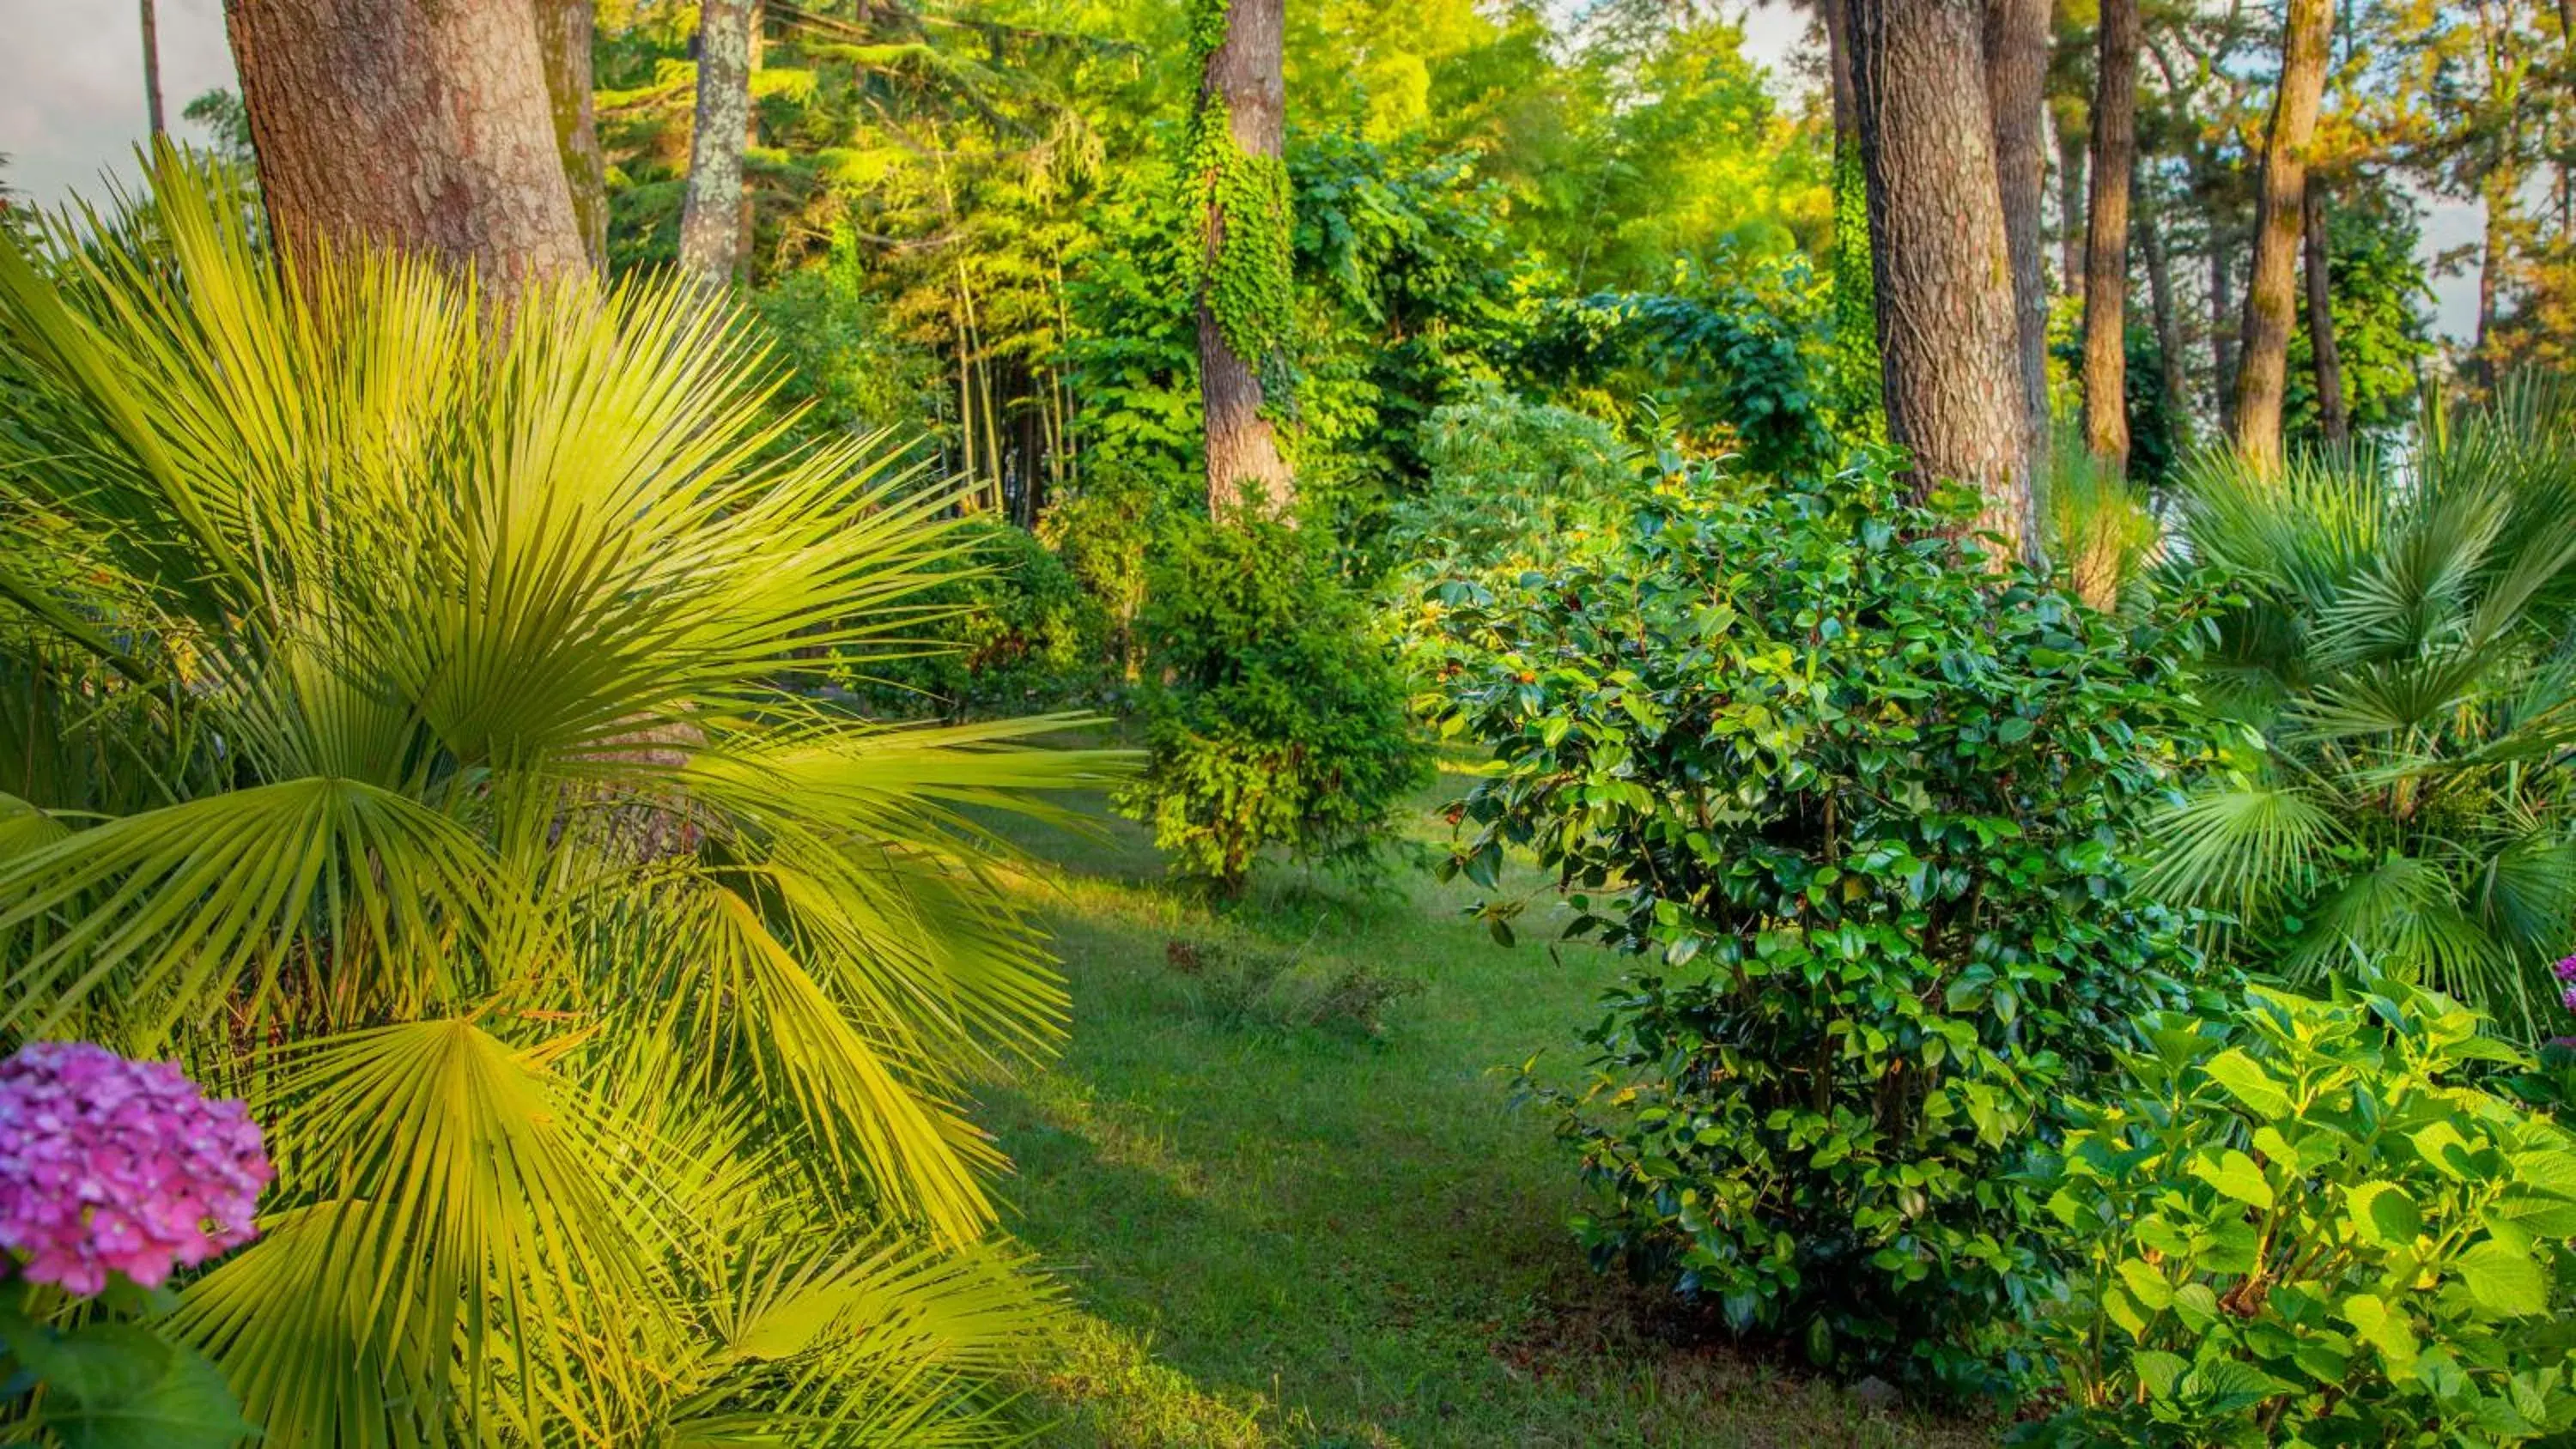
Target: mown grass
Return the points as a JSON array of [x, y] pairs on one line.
[[1278, 1226]]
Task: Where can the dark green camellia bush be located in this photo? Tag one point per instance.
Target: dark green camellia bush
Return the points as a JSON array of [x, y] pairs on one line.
[[2304, 1223], [1858, 799], [1274, 715]]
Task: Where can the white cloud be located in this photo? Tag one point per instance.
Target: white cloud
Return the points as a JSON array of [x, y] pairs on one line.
[[71, 85]]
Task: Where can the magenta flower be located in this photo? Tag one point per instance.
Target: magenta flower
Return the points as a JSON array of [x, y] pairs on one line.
[[2568, 996], [2566, 968], [116, 1166]]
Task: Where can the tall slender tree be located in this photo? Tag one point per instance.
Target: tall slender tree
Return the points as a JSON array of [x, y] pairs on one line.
[[2106, 236], [1237, 130], [2171, 392], [711, 207], [152, 68], [1949, 345], [424, 127], [2333, 418], [2017, 45], [2271, 292]]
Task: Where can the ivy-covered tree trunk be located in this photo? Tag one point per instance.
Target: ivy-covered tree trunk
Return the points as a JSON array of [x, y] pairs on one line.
[[1949, 346], [2106, 237], [424, 127], [2271, 293], [1855, 376], [564, 32], [1244, 278], [2016, 89], [711, 209], [2333, 421]]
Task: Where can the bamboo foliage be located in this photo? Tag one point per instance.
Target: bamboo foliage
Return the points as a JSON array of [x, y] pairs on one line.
[[612, 1008]]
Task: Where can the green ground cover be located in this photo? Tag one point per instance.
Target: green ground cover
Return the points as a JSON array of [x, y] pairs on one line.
[[1283, 1223]]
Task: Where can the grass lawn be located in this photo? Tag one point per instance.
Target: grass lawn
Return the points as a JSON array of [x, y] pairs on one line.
[[1277, 1232]]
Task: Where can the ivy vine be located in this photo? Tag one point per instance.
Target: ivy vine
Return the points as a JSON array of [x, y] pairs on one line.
[[1243, 271], [1855, 378]]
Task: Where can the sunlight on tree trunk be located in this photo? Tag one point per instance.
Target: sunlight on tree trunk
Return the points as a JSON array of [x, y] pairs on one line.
[[564, 34], [2106, 238], [2270, 294], [424, 127], [1948, 343], [711, 211]]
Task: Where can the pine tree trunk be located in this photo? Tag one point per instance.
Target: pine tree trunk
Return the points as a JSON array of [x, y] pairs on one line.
[[2106, 238], [711, 209], [152, 69], [1949, 344], [2168, 315], [424, 127], [564, 31], [2017, 38], [1245, 77], [2271, 292], [2332, 420]]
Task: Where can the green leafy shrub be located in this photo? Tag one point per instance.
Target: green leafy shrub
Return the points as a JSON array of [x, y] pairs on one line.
[[2303, 1226], [1273, 715], [1859, 797], [1513, 482], [1008, 629]]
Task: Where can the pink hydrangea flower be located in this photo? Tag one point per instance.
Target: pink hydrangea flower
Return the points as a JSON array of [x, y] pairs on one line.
[[116, 1166], [2566, 968]]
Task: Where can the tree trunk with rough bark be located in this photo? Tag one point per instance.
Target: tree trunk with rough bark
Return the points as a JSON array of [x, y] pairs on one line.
[[152, 69], [1246, 80], [2271, 292], [2168, 313], [2016, 91], [564, 31], [424, 127], [1949, 344], [711, 208], [2333, 421], [2106, 237]]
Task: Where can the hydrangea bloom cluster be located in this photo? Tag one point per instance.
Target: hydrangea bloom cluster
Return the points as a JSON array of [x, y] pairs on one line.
[[116, 1166], [2566, 972]]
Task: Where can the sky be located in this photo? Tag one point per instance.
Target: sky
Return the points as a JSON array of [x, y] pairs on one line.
[[71, 102]]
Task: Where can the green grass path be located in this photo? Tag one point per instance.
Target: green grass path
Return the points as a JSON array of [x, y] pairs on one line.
[[1275, 1232]]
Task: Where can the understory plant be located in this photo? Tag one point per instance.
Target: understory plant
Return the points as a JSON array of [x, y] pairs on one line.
[[1274, 715], [1006, 628], [1854, 792], [409, 728], [2305, 1223], [2399, 801]]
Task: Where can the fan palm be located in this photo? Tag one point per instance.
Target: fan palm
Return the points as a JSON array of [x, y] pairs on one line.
[[2404, 659], [402, 726]]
